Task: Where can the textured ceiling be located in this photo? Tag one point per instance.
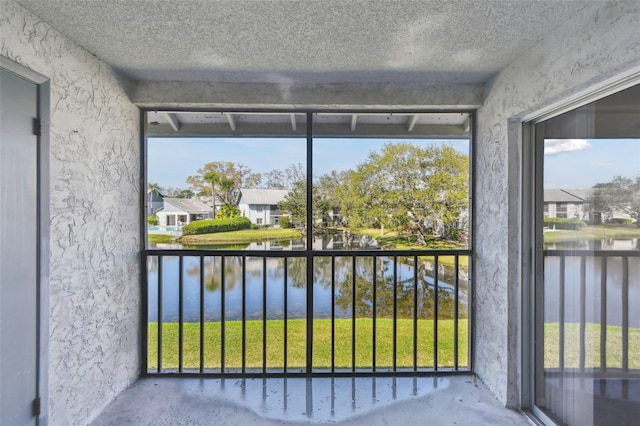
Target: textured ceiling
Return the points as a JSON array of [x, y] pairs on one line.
[[307, 41]]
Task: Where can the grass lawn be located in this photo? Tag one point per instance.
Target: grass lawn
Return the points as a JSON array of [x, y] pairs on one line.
[[592, 346], [159, 239], [296, 335], [245, 235], [593, 233]]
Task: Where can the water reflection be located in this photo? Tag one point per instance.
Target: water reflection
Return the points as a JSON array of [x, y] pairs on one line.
[[343, 297]]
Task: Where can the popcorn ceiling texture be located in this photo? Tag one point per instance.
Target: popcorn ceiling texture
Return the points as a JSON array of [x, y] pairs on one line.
[[594, 46], [94, 267]]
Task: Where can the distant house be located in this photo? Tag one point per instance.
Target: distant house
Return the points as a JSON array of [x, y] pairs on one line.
[[566, 203], [182, 211], [261, 205], [154, 201]]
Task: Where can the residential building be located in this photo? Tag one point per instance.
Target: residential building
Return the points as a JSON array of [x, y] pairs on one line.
[[154, 201], [182, 211], [566, 203], [261, 205]]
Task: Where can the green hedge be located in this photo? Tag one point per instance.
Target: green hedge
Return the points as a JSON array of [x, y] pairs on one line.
[[620, 221], [562, 223], [211, 226]]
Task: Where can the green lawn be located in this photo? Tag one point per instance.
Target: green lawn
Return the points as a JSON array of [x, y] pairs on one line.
[[245, 235], [593, 233], [296, 336], [592, 346], [159, 239]]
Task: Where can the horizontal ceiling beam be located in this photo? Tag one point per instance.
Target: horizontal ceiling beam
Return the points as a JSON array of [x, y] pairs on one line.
[[398, 130], [356, 96]]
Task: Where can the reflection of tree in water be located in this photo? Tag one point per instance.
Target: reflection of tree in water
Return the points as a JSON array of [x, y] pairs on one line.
[[343, 272], [212, 272], [384, 292]]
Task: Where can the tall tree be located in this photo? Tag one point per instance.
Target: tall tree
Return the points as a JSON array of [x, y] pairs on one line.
[[295, 202], [419, 190], [325, 193], [223, 180], [285, 179], [619, 196]]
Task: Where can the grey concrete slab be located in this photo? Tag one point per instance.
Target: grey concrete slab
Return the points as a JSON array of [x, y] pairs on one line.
[[456, 400]]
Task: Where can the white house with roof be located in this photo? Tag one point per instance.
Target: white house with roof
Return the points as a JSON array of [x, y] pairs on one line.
[[566, 203], [261, 205], [182, 211]]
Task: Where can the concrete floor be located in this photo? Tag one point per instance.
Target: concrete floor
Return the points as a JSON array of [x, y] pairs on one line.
[[457, 400]]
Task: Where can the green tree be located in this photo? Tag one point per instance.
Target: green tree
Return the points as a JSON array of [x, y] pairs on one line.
[[419, 190], [620, 195], [295, 202], [223, 180], [228, 211], [326, 199]]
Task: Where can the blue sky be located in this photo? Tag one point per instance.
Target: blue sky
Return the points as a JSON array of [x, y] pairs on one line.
[[569, 163], [171, 160], [581, 163]]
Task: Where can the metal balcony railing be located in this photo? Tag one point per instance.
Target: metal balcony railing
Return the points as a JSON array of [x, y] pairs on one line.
[[253, 313], [587, 293]]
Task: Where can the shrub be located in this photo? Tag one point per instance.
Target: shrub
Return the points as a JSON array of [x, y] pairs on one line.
[[228, 211], [620, 221], [562, 223], [152, 220], [211, 226], [285, 222]]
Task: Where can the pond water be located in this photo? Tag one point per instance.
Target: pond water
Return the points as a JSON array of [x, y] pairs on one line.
[[593, 273], [296, 291]]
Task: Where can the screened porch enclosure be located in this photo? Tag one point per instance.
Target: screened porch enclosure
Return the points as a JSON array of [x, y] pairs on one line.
[[339, 299]]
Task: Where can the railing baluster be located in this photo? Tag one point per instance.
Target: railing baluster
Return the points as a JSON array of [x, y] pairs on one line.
[[202, 313], [222, 313], [561, 329], [456, 310], [395, 312], [373, 314], [435, 314], [180, 314], [415, 313], [625, 314], [583, 303], [353, 314], [333, 314], [264, 315], [286, 308], [160, 326], [603, 315], [244, 313]]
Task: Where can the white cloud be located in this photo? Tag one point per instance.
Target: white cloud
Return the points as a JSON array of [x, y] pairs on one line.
[[560, 146]]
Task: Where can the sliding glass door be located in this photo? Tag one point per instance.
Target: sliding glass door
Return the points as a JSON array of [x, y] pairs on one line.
[[587, 290]]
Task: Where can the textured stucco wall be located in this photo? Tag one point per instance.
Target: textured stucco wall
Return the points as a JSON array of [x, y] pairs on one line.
[[94, 270], [598, 44]]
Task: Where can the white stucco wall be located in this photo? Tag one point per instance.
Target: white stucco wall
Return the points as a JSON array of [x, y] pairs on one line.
[[601, 43], [94, 267]]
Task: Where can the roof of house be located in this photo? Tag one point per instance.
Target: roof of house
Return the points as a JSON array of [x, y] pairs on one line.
[[568, 195], [262, 196], [190, 205]]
